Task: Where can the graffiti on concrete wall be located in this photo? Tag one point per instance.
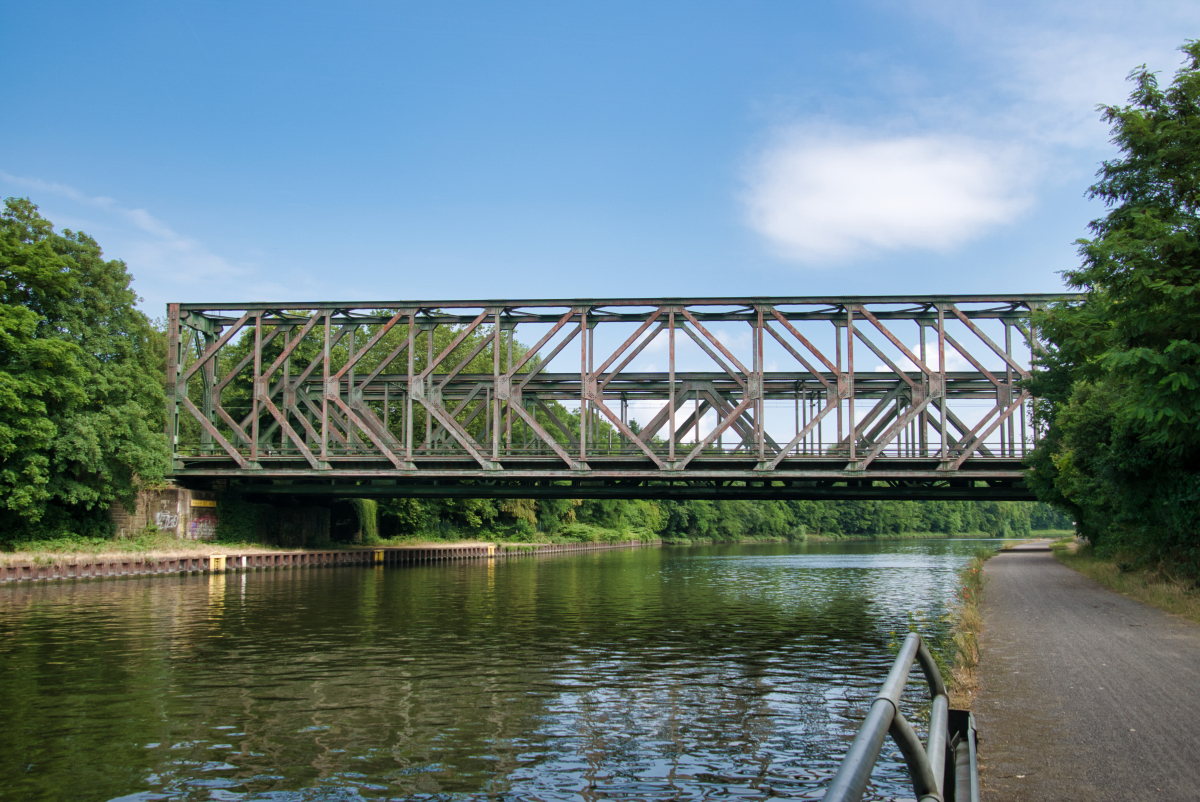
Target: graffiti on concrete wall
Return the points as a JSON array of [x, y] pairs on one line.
[[166, 520], [203, 527]]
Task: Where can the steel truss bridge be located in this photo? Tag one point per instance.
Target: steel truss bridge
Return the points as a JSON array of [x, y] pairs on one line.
[[779, 397]]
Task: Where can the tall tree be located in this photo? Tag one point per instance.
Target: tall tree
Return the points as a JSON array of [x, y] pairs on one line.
[[1122, 369], [81, 399]]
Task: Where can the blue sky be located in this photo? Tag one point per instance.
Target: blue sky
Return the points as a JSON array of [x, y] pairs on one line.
[[419, 150]]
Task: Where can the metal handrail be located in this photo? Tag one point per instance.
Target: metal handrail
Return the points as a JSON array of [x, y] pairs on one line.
[[951, 735]]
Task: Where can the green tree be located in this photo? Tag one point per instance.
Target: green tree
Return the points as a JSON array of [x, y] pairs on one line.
[[1118, 383], [81, 399]]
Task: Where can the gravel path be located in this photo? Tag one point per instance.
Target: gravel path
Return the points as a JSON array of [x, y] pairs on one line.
[[1085, 694]]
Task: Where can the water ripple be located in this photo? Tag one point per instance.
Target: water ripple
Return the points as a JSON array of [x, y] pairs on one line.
[[699, 673]]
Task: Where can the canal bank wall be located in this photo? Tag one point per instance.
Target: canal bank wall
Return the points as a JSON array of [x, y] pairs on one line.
[[183, 513], [233, 562], [196, 515]]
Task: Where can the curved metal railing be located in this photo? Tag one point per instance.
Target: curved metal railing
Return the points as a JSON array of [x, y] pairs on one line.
[[945, 768]]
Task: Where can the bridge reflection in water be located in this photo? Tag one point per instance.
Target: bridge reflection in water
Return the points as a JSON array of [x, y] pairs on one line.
[[868, 397], [655, 674]]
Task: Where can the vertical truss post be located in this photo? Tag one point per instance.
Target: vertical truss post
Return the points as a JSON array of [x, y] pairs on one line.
[[1009, 381], [1025, 409], [923, 418], [584, 333], [749, 393], [760, 409], [408, 396], [325, 388], [428, 328], [494, 398], [254, 399], [850, 370], [945, 402], [837, 339], [287, 377], [173, 370], [351, 360], [507, 407], [512, 335], [671, 384], [593, 421], [183, 389]]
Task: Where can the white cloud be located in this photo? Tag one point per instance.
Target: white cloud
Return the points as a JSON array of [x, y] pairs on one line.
[[1051, 63], [147, 244], [1031, 73], [828, 195]]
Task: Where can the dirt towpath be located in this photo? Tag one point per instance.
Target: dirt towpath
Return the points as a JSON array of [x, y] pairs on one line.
[[1085, 694]]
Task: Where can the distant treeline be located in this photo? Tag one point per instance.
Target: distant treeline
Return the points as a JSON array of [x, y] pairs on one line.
[[716, 520], [559, 520]]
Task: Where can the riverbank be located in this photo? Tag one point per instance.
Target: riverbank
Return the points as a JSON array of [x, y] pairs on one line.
[[220, 561], [149, 544], [961, 652], [1037, 533], [809, 538], [1156, 587]]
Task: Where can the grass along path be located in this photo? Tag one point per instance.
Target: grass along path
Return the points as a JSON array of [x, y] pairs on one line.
[[1156, 587], [961, 654]]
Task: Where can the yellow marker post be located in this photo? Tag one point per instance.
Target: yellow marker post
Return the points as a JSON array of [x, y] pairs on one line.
[[216, 563], [378, 556]]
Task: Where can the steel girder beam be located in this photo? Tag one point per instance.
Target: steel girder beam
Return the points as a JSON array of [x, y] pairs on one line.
[[961, 490]]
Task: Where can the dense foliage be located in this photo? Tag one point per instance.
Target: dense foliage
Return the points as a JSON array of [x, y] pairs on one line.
[[722, 521], [574, 520], [1120, 381], [81, 401]]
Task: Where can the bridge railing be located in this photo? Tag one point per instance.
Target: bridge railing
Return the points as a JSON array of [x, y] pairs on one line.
[[943, 769]]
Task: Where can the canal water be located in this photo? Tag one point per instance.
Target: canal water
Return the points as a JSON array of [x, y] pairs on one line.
[[673, 673]]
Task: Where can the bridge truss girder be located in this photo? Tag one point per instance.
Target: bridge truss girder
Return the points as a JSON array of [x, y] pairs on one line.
[[328, 397]]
